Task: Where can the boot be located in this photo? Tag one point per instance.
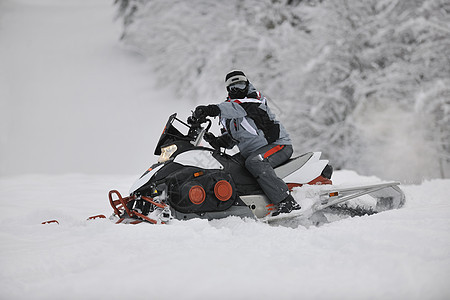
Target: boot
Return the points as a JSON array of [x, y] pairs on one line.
[[286, 206]]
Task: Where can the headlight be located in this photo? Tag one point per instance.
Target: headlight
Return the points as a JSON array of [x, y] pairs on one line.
[[167, 152]]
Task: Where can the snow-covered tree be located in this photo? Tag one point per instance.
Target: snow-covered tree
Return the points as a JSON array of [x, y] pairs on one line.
[[193, 44], [378, 56], [341, 74]]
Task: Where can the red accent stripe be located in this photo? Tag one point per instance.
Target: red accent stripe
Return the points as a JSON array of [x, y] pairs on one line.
[[317, 181], [320, 180], [273, 150], [291, 186]]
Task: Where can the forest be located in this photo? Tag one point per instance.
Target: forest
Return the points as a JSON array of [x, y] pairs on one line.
[[367, 82]]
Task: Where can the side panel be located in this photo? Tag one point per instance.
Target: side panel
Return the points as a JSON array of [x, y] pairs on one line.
[[198, 158], [293, 165], [144, 179], [257, 204], [309, 171]]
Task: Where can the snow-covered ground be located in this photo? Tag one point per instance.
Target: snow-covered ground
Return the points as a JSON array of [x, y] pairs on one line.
[[69, 94], [401, 254]]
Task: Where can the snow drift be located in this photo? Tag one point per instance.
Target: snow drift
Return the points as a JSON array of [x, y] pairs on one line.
[[399, 254]]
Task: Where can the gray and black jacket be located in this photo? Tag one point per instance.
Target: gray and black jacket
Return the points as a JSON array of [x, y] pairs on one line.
[[250, 124]]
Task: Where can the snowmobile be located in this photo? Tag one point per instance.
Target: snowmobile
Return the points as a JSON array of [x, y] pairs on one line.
[[192, 181]]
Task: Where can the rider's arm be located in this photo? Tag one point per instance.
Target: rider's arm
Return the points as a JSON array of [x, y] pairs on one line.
[[231, 110]]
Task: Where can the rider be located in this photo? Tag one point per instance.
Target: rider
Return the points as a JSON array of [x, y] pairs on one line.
[[262, 140]]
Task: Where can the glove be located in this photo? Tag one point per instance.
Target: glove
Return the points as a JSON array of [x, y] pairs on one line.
[[203, 111], [212, 140], [223, 141], [209, 137]]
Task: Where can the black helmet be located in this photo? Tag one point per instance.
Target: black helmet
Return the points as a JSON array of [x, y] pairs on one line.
[[237, 84]]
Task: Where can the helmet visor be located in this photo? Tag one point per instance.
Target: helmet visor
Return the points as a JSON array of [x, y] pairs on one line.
[[237, 87]]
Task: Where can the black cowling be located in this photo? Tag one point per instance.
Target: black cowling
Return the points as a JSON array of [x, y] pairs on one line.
[[180, 183]]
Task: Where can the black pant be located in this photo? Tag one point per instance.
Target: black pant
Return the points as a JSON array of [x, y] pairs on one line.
[[261, 163]]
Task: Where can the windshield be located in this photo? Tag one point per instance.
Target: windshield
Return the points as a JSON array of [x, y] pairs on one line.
[[171, 134]]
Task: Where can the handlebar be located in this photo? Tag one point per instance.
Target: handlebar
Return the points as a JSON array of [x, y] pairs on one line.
[[196, 131], [196, 123], [193, 121]]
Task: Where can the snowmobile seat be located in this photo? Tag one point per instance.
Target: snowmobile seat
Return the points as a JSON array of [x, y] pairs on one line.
[[286, 168]]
